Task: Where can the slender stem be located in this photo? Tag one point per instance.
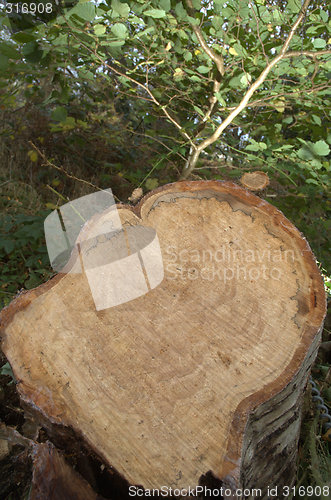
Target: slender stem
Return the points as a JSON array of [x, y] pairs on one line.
[[61, 169], [136, 82], [216, 58]]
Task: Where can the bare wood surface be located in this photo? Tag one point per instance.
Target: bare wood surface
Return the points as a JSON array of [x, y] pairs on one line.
[[255, 181], [173, 384]]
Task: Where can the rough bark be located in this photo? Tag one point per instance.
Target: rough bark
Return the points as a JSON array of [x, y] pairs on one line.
[[206, 371], [54, 479]]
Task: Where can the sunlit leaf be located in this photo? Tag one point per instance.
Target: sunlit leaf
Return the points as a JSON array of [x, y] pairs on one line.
[[156, 13], [321, 148]]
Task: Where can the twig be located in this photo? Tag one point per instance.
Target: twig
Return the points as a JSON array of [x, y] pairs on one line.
[[61, 169], [258, 30], [307, 53], [263, 161], [218, 59], [136, 82], [133, 132], [263, 102], [213, 101]]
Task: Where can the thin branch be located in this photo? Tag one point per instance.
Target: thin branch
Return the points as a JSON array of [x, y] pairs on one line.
[[193, 158], [258, 31], [263, 102], [136, 82], [133, 96], [61, 169], [218, 59], [156, 140], [213, 102], [307, 53]]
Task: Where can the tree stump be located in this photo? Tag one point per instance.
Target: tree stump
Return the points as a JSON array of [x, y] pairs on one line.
[[206, 371], [255, 181]]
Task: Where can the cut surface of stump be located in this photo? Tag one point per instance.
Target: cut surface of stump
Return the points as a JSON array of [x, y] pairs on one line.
[[255, 181], [172, 384]]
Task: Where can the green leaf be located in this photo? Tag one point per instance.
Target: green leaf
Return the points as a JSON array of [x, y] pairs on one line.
[[195, 78], [35, 56], [321, 148], [151, 183], [59, 114], [252, 147], [220, 99], [203, 69], [145, 32], [294, 5], [9, 51], [305, 153], [84, 10], [99, 29], [187, 56], [4, 63], [165, 5], [279, 106], [7, 245], [198, 110], [156, 13], [319, 43], [178, 74], [60, 40], [233, 51], [245, 79], [120, 30], [29, 48], [316, 119], [125, 81], [324, 16], [316, 164], [120, 9], [33, 155], [288, 119], [23, 37], [115, 43], [239, 49], [311, 181], [85, 74], [180, 12], [33, 281], [182, 35], [277, 15], [235, 82]]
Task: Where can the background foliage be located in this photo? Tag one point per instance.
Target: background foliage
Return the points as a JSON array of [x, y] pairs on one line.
[[117, 93]]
